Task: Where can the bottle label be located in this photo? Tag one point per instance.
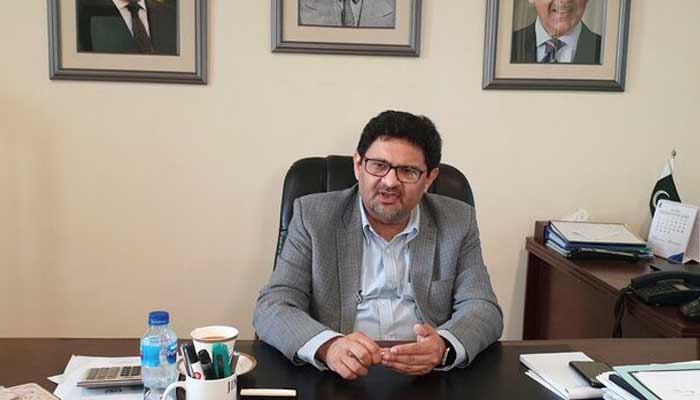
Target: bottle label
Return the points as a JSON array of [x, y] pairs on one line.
[[150, 356], [171, 355]]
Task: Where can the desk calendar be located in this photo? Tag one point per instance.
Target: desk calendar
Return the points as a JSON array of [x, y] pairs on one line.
[[674, 232]]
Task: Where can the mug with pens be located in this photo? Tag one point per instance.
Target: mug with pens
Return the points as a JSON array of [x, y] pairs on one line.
[[210, 364], [200, 365]]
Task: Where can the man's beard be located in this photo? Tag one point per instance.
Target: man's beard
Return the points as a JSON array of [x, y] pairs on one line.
[[385, 215]]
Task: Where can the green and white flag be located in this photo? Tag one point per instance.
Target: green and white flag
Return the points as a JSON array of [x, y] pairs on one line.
[[664, 188]]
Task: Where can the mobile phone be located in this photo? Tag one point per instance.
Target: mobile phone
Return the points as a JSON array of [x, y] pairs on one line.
[[589, 370]]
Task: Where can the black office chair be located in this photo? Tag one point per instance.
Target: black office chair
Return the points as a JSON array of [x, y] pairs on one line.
[[326, 174]]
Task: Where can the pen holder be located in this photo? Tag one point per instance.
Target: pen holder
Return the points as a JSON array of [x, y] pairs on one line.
[[200, 389]]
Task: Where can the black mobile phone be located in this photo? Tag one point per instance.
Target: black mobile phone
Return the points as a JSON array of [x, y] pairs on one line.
[[589, 370]]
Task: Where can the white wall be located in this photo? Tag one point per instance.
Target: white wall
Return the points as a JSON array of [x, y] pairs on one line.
[[106, 213]]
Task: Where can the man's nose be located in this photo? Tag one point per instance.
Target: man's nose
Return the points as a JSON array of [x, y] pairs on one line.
[[391, 179]]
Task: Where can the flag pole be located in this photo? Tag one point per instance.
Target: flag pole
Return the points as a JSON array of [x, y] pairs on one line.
[[673, 159]]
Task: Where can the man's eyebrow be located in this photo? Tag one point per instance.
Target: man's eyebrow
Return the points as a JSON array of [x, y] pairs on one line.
[[395, 165]]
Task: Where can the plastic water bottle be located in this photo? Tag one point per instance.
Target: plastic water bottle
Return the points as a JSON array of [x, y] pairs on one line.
[[158, 355]]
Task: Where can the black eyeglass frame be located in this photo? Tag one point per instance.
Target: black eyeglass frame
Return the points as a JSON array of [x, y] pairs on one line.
[[395, 168]]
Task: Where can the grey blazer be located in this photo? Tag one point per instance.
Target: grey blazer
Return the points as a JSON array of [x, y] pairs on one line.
[[318, 273], [374, 13]]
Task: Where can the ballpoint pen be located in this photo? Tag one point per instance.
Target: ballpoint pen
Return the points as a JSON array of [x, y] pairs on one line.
[[192, 364], [234, 360]]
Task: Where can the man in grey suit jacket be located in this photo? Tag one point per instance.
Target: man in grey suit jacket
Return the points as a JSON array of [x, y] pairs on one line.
[[382, 260], [352, 13]]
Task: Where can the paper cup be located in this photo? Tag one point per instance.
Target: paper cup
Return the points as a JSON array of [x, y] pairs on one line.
[[204, 338]]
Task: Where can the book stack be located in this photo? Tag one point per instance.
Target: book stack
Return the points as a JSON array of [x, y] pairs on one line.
[[552, 371], [596, 240]]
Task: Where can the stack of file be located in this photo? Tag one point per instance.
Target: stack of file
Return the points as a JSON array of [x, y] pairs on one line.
[[595, 240], [616, 388], [552, 371], [660, 381]]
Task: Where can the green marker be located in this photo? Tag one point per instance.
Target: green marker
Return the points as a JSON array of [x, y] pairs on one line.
[[220, 360]]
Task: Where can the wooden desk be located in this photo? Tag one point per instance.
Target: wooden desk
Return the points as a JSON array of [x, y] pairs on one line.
[[575, 298], [494, 374]]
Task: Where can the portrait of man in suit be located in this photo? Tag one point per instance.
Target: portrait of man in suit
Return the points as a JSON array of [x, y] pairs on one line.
[[128, 26], [557, 35], [348, 13]]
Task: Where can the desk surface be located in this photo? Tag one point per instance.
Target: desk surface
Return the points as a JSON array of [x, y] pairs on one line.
[[32, 360]]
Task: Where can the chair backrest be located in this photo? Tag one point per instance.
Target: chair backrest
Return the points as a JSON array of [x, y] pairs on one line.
[[327, 174]]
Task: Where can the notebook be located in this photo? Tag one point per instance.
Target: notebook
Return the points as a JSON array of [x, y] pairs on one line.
[[552, 370], [596, 232]]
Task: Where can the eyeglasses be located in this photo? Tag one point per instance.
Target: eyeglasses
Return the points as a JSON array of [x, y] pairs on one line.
[[381, 168]]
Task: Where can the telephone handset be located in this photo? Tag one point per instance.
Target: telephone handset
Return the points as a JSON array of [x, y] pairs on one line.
[[667, 287]]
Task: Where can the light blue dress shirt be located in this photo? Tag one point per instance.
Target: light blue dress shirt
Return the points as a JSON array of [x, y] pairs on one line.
[[386, 308]]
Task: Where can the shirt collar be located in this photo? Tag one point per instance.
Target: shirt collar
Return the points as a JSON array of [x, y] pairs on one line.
[[413, 226], [571, 37], [123, 3]]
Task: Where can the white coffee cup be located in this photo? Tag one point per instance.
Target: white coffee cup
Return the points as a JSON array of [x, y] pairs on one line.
[[200, 389], [205, 337]]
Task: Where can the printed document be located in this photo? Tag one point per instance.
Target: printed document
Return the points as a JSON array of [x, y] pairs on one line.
[[77, 365]]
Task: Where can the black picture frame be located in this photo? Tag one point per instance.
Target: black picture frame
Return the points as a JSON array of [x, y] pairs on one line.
[[409, 46], [93, 67], [612, 81]]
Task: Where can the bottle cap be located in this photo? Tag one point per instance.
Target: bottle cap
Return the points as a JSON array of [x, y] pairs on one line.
[[158, 318]]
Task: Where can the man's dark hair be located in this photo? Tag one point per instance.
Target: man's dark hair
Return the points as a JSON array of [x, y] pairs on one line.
[[416, 129]]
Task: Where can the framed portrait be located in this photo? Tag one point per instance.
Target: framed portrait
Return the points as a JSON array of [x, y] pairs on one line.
[[556, 44], [367, 27], [128, 40]]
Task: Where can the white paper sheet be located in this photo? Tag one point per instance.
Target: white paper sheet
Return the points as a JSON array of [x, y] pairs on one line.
[[77, 365], [544, 383], [555, 370], [672, 385]]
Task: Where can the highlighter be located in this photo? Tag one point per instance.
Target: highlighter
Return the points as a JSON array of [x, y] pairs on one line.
[[220, 359]]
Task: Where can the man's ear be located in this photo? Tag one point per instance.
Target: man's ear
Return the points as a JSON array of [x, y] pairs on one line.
[[356, 165], [432, 175]]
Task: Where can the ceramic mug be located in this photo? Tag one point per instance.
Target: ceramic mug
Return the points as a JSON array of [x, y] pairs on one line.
[[200, 389]]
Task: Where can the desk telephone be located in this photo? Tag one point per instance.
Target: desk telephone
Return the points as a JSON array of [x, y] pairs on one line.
[[662, 288], [667, 287]]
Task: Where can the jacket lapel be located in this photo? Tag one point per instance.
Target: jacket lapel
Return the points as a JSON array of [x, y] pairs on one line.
[[349, 238], [530, 45], [587, 51], [422, 263]]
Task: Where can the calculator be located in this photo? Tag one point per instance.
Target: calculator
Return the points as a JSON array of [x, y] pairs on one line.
[[111, 376]]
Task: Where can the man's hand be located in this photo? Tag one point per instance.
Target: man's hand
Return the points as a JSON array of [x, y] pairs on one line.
[[417, 358], [350, 356]]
